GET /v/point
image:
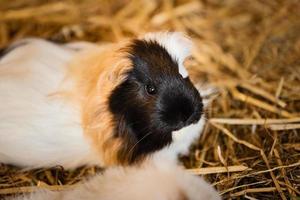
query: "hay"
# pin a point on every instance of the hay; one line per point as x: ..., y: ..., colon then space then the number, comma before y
x: 248, y: 49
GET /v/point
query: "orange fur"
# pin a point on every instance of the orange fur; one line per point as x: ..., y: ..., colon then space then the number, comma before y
x: 97, y: 74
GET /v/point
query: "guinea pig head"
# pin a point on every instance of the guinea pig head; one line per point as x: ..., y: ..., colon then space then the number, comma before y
x: 155, y: 98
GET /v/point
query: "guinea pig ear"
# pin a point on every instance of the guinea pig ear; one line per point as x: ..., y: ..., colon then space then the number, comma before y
x: 116, y: 65
x: 177, y: 44
x: 119, y: 69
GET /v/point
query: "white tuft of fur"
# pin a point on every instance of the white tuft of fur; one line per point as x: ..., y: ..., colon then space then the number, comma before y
x: 177, y: 44
x: 182, y: 141
x: 150, y: 181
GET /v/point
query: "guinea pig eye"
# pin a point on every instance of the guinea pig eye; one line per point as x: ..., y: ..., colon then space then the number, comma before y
x: 150, y: 89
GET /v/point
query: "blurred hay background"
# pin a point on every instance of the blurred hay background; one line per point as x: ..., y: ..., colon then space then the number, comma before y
x: 248, y: 49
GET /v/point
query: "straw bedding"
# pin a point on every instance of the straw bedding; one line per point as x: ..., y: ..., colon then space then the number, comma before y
x: 248, y: 49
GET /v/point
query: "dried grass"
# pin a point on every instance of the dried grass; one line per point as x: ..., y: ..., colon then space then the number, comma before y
x: 248, y: 49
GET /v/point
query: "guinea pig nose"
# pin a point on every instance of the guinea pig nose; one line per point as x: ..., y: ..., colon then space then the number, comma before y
x: 180, y: 111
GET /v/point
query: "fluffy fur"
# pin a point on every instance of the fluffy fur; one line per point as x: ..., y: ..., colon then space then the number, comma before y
x: 36, y: 128
x: 80, y: 104
x: 149, y: 181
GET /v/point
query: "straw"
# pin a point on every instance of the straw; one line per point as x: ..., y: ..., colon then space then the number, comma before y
x: 247, y: 49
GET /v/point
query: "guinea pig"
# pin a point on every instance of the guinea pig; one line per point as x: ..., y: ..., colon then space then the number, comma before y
x: 147, y: 182
x: 84, y: 104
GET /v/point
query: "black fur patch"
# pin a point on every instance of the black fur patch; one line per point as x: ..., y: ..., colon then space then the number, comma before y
x: 144, y: 120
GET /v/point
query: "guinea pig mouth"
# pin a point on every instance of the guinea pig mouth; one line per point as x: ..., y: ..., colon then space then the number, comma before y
x: 195, y: 117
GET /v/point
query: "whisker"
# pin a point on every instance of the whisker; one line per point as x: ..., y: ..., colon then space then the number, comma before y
x: 138, y: 142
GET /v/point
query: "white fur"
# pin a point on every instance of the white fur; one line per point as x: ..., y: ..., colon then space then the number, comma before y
x: 177, y: 45
x: 148, y: 182
x: 182, y: 140
x: 38, y: 130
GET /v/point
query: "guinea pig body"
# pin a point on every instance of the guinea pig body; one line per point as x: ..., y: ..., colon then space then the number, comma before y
x: 149, y: 181
x: 39, y: 128
x: 74, y: 105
